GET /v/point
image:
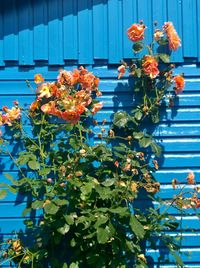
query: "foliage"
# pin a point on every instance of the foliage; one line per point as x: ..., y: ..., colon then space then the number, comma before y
x: 83, y: 204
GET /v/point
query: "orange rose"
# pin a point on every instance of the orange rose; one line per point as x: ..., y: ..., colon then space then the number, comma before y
x: 179, y: 83
x: 38, y: 79
x: 173, y: 38
x: 136, y: 32
x: 150, y: 66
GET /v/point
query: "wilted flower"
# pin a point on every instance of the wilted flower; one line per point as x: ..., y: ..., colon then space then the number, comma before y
x: 190, y: 178
x: 121, y: 70
x: 158, y: 34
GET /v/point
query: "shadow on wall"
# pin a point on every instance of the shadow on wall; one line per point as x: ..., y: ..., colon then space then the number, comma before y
x: 38, y: 12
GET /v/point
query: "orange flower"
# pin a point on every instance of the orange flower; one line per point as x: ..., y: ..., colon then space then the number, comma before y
x: 190, y: 178
x: 71, y: 116
x: 121, y: 70
x: 38, y: 79
x: 66, y: 77
x: 173, y: 38
x: 97, y: 107
x: 136, y: 32
x: 179, y: 83
x: 34, y: 105
x: 150, y: 66
x: 49, y: 108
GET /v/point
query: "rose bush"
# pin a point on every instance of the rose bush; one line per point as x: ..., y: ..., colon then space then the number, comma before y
x: 83, y: 201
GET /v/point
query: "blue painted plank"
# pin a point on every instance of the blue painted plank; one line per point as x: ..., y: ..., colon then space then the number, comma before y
x: 85, y: 42
x: 175, y: 16
x: 159, y: 12
x: 129, y: 17
x: 70, y: 30
x: 25, y: 14
x: 145, y: 14
x: 189, y: 28
x: 100, y: 29
x: 40, y: 30
x: 2, y: 63
x: 115, y: 31
x: 198, y: 29
x: 10, y: 27
x: 55, y: 32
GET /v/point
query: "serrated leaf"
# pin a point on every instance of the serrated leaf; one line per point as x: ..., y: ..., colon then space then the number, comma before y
x: 103, y: 235
x: 145, y: 142
x: 156, y: 149
x: 64, y: 229
x: 37, y: 204
x: 137, y: 47
x: 34, y: 165
x: 51, y: 208
x: 138, y: 135
x: 69, y: 219
x: 164, y: 57
x: 120, y: 119
x: 3, y: 194
x: 137, y: 227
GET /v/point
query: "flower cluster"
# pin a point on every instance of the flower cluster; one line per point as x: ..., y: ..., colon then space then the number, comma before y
x: 10, y: 116
x: 69, y: 97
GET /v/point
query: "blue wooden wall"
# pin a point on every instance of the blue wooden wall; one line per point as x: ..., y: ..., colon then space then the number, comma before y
x: 89, y: 31
x: 39, y: 36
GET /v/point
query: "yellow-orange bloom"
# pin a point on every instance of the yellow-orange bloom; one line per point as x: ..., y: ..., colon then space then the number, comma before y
x: 179, y: 83
x: 38, y: 79
x: 150, y: 66
x: 136, y: 32
x: 172, y: 36
x: 97, y: 107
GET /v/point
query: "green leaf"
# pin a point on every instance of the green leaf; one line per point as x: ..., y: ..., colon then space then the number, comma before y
x: 26, y: 211
x: 101, y: 220
x: 137, y: 47
x: 103, y: 235
x: 69, y: 219
x: 37, y: 204
x: 109, y: 182
x: 120, y: 210
x: 10, y: 178
x: 64, y: 229
x: 74, y: 265
x: 60, y: 202
x: 163, y: 41
x: 156, y: 149
x: 34, y: 165
x: 164, y: 57
x: 44, y: 171
x: 138, y: 135
x: 3, y: 194
x: 51, y: 208
x: 65, y: 265
x: 138, y: 115
x: 145, y: 142
x: 177, y: 258
x: 120, y: 119
x: 137, y: 227
x: 73, y: 143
